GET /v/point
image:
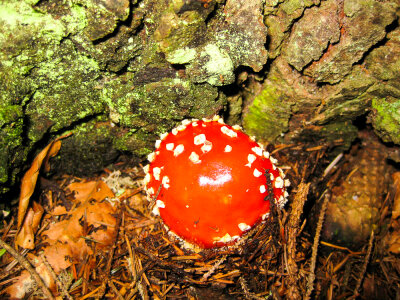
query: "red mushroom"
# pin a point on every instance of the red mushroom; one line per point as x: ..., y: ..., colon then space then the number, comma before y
x: 209, y: 182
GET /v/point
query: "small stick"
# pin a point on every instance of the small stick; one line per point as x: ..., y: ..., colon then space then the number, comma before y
x: 311, y: 276
x: 246, y: 291
x: 61, y: 286
x: 365, y: 265
x: 27, y: 265
x: 293, y: 229
x: 332, y: 164
x: 214, y: 267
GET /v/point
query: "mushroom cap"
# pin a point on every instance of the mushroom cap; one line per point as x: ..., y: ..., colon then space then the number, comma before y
x: 210, y: 182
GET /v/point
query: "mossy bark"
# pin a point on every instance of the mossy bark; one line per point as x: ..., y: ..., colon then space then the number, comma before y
x: 119, y: 73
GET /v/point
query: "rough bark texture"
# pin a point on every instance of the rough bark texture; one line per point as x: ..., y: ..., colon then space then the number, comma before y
x: 118, y: 73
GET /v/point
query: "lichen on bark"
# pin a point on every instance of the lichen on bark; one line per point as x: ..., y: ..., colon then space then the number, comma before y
x: 142, y: 66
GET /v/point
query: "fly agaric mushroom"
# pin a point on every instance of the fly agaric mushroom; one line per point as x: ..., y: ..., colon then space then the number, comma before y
x: 211, y: 183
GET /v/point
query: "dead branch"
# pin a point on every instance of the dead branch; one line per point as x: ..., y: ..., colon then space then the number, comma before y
x: 365, y: 265
x: 311, y: 276
x: 27, y: 265
x: 293, y: 231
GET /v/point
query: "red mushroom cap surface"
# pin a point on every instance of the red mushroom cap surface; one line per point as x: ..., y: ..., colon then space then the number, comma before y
x: 210, y: 182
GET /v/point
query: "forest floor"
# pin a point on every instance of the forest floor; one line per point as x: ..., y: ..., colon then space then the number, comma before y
x: 95, y: 238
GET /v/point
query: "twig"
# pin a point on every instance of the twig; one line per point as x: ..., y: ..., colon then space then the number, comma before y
x: 365, y: 265
x: 111, y: 254
x: 61, y: 286
x: 213, y: 268
x: 27, y: 265
x: 293, y: 229
x: 332, y: 164
x: 311, y: 276
x: 246, y: 291
x: 115, y: 290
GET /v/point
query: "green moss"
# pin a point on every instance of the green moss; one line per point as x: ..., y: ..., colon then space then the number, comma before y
x: 11, y: 129
x: 268, y: 115
x: 386, y: 119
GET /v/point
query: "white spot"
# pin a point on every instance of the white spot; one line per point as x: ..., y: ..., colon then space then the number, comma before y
x: 146, y: 168
x: 186, y: 122
x: 163, y: 135
x: 257, y: 150
x: 247, y: 190
x: 206, y: 147
x: 281, y: 201
x: 262, y: 189
x: 221, y: 121
x: 281, y: 173
x: 286, y: 194
x: 194, y: 124
x: 273, y: 160
x: 187, y: 206
x: 181, y: 127
x: 237, y: 127
x: 244, y: 226
x: 170, y: 146
x: 287, y: 182
x: 250, y: 158
x: 150, y: 191
x: 266, y: 154
x: 179, y: 149
x: 228, y: 132
x: 271, y: 176
x: 151, y: 157
x: 216, y: 118
x: 194, y: 158
x: 174, y: 131
x: 199, y: 139
x: 225, y: 239
x: 252, y: 138
x: 206, y: 120
x: 156, y: 173
x: 278, y: 182
x: 158, y: 143
x: 265, y: 216
x: 159, y: 204
x: 257, y: 173
x: 228, y: 148
x: 165, y: 182
x: 146, y: 179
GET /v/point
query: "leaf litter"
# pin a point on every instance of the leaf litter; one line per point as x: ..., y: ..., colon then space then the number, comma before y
x: 95, y: 238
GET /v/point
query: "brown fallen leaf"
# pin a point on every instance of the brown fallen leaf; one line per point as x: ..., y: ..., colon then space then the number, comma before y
x: 91, y: 190
x: 29, y: 180
x: 26, y: 236
x: 69, y: 235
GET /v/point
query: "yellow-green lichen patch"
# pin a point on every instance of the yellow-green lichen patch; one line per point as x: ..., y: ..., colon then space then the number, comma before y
x: 268, y: 116
x: 386, y: 119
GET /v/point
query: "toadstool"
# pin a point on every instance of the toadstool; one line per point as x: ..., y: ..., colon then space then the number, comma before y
x: 211, y: 183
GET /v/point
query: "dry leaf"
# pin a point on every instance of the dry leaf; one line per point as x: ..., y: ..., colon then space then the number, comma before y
x: 85, y: 191
x: 25, y: 284
x: 30, y: 177
x: 26, y: 236
x: 69, y: 235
